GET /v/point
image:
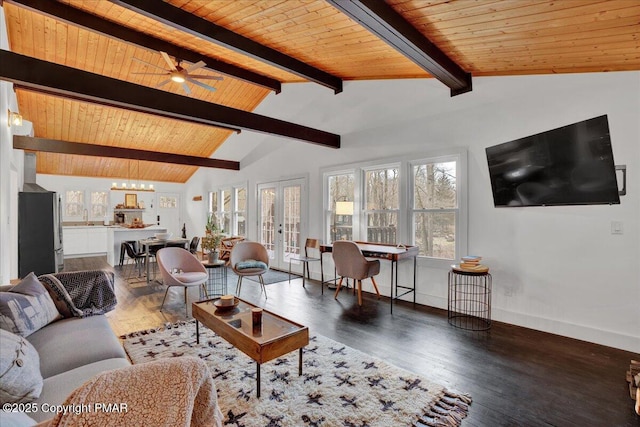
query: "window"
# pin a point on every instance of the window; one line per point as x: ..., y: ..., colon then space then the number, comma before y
x: 74, y: 203
x: 382, y: 204
x: 240, y: 212
x: 229, y: 206
x: 99, y: 204
x: 340, y: 206
x: 435, y: 209
x: 402, y: 201
x: 224, y: 214
x: 168, y: 202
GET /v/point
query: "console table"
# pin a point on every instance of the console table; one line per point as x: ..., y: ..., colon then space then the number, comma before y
x: 394, y: 254
x: 469, y: 301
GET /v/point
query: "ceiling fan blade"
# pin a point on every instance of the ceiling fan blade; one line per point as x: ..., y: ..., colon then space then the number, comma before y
x: 147, y: 63
x: 206, y: 86
x: 203, y: 77
x: 168, y: 60
x: 186, y: 88
x: 162, y: 83
x: 196, y: 66
x: 152, y: 74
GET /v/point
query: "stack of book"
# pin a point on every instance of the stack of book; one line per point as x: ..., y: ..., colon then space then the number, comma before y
x: 472, y: 263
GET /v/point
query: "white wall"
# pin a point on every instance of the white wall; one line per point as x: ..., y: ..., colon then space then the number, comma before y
x: 11, y: 162
x: 557, y: 269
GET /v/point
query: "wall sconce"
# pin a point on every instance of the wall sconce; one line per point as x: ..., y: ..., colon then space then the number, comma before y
x: 13, y: 119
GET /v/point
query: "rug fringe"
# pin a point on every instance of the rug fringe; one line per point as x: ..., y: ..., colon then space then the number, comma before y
x: 161, y: 328
x: 447, y: 411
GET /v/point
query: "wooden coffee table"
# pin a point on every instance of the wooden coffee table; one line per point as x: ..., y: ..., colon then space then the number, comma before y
x: 276, y: 337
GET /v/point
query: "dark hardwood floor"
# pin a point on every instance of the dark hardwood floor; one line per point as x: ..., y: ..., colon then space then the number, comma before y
x: 516, y: 376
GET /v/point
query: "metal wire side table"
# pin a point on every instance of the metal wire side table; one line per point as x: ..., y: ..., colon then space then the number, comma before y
x: 469, y: 302
x: 217, y: 284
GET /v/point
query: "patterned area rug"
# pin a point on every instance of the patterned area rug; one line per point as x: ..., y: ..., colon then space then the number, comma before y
x: 339, y: 386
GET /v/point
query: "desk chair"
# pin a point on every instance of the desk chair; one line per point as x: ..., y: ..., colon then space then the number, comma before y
x: 306, y: 259
x: 350, y: 263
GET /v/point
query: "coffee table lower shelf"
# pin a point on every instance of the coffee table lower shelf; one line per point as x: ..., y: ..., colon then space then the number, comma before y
x: 275, y: 337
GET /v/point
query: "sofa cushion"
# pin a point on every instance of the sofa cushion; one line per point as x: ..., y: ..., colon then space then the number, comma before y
x: 16, y: 419
x: 70, y: 343
x: 56, y: 388
x: 20, y: 379
x: 27, y: 307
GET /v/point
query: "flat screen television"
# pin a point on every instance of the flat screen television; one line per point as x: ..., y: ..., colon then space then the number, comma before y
x: 571, y: 165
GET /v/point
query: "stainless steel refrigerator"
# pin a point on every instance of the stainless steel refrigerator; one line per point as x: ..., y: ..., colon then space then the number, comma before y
x: 39, y: 233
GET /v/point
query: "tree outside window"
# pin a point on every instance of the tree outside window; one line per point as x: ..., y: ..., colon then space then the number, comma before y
x: 382, y: 204
x: 74, y: 203
x: 99, y: 204
x: 435, y: 209
x: 340, y: 189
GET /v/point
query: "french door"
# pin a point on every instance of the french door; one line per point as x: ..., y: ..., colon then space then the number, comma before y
x: 282, y: 219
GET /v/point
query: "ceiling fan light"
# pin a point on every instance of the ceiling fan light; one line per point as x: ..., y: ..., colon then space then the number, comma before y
x: 177, y: 78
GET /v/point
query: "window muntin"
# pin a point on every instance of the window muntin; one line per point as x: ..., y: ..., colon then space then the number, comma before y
x: 240, y: 212
x: 74, y: 203
x: 341, y: 189
x: 435, y: 208
x: 229, y: 207
x: 99, y: 204
x: 382, y: 204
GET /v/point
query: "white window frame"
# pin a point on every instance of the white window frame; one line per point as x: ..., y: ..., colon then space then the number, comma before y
x: 461, y: 217
x: 363, y: 211
x: 234, y: 214
x: 86, y: 204
x: 405, y: 213
x: 328, y: 212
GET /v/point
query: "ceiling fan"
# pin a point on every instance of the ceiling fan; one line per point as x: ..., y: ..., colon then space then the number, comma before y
x: 179, y: 74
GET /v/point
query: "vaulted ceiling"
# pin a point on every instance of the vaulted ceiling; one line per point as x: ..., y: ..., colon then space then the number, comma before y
x: 483, y: 37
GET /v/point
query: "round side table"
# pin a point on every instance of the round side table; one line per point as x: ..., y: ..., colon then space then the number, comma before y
x: 469, y: 305
x: 217, y: 283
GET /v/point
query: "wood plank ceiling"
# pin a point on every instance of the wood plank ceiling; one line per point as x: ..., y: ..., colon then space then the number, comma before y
x: 484, y: 37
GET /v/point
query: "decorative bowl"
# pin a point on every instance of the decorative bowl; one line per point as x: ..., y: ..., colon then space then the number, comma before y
x: 163, y: 236
x: 220, y: 307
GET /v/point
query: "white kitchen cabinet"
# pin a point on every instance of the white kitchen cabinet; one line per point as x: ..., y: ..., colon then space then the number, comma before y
x: 84, y: 241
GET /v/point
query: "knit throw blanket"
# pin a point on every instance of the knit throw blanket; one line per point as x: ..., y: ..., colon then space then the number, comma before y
x: 81, y: 293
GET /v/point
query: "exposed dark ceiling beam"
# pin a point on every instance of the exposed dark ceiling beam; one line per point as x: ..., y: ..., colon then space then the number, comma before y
x: 58, y: 79
x: 81, y: 149
x: 382, y: 20
x: 199, y: 27
x: 93, y: 23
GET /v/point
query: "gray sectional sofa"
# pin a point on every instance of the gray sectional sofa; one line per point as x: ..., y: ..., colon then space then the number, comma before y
x: 71, y: 350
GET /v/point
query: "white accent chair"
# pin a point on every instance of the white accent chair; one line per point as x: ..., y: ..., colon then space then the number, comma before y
x: 249, y: 259
x: 350, y: 263
x: 179, y: 267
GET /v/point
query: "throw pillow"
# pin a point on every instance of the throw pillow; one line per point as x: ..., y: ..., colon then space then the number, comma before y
x: 27, y: 307
x: 250, y: 263
x: 20, y: 378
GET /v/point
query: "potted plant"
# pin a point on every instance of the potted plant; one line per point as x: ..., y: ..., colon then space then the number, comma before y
x: 211, y: 242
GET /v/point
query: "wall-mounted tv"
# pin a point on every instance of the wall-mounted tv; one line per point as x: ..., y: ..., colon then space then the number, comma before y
x: 571, y: 165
